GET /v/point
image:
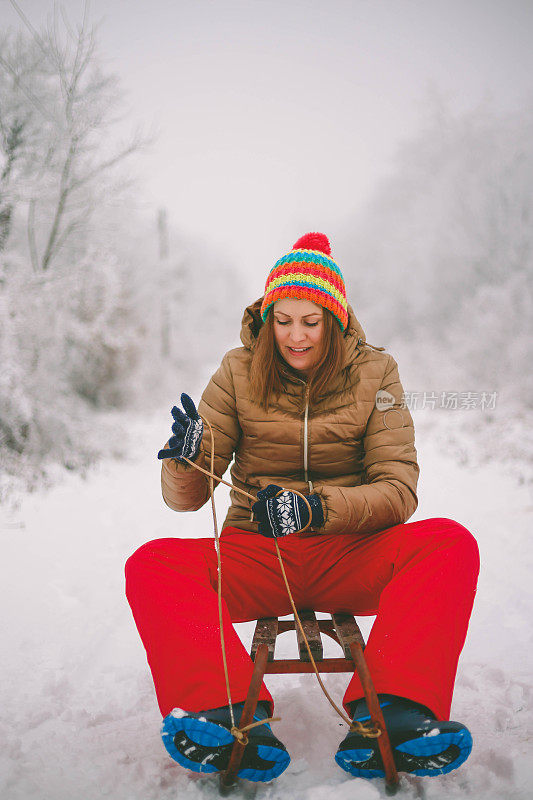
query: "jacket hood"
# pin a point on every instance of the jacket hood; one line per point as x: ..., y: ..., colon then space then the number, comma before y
x: 354, y: 335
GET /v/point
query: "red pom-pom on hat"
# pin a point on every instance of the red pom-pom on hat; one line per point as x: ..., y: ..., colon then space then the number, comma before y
x: 313, y: 241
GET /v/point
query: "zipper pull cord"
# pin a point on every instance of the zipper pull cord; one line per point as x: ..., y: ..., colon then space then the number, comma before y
x: 367, y: 344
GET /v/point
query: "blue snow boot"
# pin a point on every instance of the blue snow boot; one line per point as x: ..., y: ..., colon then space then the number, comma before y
x: 420, y: 743
x: 203, y: 742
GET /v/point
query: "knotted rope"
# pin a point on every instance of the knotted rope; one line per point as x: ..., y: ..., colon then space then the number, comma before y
x: 371, y: 732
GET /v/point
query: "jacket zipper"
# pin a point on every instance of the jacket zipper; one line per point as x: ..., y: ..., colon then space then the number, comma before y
x: 306, y: 442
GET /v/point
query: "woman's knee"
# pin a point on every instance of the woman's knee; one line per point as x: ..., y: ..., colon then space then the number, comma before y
x: 170, y: 550
x: 145, y: 551
x: 448, y: 532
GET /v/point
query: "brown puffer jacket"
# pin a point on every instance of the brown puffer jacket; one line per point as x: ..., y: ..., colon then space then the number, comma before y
x: 360, y: 459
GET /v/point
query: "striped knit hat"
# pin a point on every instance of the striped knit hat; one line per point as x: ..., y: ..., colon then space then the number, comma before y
x: 308, y: 273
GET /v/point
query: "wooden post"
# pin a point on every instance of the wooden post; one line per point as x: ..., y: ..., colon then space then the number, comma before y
x: 228, y: 778
x: 376, y: 715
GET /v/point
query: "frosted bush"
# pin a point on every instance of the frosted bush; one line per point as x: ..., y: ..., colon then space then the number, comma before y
x: 443, y: 257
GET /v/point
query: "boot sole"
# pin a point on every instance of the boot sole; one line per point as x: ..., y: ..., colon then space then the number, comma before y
x: 204, y: 746
x: 425, y: 756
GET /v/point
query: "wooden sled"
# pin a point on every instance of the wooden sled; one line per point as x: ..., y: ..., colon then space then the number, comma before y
x: 345, y: 631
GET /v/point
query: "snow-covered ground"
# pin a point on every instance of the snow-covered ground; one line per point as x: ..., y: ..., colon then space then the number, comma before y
x: 78, y: 713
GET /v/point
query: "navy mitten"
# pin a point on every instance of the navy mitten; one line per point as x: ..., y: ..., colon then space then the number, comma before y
x: 188, y: 429
x: 287, y: 513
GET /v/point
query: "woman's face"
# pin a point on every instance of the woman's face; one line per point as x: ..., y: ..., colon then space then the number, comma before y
x: 298, y: 330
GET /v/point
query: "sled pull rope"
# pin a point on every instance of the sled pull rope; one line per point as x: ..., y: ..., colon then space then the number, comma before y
x: 239, y: 734
x: 371, y: 732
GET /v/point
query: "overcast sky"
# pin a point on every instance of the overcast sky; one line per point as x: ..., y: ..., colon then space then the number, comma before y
x: 277, y: 117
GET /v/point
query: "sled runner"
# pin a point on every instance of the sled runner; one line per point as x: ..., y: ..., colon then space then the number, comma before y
x: 343, y: 629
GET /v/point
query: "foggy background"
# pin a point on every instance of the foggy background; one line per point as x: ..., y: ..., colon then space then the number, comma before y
x: 158, y: 158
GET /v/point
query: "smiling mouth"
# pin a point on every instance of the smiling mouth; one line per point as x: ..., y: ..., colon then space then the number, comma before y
x: 299, y: 350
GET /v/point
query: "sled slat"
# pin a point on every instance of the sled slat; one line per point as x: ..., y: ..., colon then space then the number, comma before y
x: 312, y: 632
x: 266, y: 631
x: 348, y: 631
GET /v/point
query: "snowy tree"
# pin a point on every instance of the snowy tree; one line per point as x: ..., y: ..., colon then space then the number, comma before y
x: 22, y: 116
x: 54, y: 85
x: 68, y: 331
x: 92, y: 316
x: 443, y: 257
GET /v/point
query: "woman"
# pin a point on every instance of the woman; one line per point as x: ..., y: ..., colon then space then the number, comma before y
x: 305, y: 404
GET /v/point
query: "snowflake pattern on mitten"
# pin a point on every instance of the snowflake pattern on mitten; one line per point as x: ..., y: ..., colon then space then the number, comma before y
x: 279, y: 512
x: 284, y: 514
x: 193, y: 437
x: 187, y: 430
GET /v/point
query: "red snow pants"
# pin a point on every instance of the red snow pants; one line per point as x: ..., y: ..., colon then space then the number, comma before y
x: 419, y: 579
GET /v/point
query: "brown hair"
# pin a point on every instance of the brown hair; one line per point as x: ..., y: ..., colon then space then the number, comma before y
x: 268, y: 365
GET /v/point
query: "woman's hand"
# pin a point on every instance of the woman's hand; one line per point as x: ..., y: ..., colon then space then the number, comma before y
x: 279, y: 516
x: 188, y: 429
